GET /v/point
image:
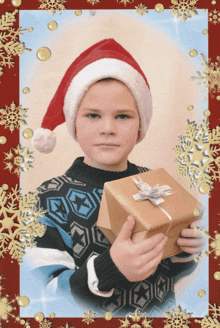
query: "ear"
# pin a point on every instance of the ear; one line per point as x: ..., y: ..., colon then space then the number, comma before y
x: 75, y: 134
x: 138, y: 136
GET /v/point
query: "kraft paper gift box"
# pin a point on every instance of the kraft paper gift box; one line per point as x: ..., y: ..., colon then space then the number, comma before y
x: 170, y: 217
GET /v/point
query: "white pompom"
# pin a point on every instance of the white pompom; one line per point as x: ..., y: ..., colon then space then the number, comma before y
x: 44, y: 140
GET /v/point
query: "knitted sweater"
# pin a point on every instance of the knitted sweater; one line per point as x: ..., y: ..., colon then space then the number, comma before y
x: 71, y: 238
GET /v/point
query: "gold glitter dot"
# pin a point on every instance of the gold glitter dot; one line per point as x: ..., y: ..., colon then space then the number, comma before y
x: 28, y: 133
x: 12, y: 261
x: 204, y: 9
x: 29, y: 230
x: 52, y: 315
x: 190, y: 107
x: 196, y: 212
x: 217, y: 275
x: 25, y: 90
x: 207, y: 112
x: 2, y: 1
x: 204, y: 188
x: 201, y: 293
x: 205, y: 32
x: 52, y: 25
x: 39, y: 316
x: 213, y: 2
x: 43, y: 53
x: 22, y: 322
x: 30, y: 29
x: 78, y: 12
x: 23, y: 301
x: 108, y: 316
x: 16, y: 3
x: 5, y: 186
x: 3, y: 140
x: 193, y: 53
x: 159, y: 7
x: 218, y: 97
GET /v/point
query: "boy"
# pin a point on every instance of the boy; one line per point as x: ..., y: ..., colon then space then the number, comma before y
x: 106, y: 101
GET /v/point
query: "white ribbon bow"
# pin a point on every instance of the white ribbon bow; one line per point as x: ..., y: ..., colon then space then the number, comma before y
x: 154, y: 194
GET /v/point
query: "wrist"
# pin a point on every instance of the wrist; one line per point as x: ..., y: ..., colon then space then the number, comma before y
x: 107, y: 272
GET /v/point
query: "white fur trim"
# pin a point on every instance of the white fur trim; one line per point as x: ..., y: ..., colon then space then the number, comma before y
x: 44, y: 140
x: 103, y: 68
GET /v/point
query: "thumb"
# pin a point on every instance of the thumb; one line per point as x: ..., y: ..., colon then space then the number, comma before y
x: 127, y: 229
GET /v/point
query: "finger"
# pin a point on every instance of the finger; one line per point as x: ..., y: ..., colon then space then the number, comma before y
x: 152, y: 254
x: 150, y: 266
x: 190, y: 233
x: 195, y: 223
x: 191, y: 250
x: 190, y: 242
x: 150, y: 243
x: 127, y: 228
x: 149, y: 273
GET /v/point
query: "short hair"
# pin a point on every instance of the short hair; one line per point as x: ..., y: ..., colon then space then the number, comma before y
x: 108, y: 79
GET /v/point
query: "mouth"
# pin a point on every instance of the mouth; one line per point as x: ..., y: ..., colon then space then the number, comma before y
x: 108, y: 145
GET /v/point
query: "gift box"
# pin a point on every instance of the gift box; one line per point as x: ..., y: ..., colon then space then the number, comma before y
x: 158, y: 203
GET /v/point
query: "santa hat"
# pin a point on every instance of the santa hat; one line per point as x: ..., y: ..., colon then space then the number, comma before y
x: 104, y: 59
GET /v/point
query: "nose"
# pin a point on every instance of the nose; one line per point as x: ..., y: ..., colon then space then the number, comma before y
x: 108, y: 126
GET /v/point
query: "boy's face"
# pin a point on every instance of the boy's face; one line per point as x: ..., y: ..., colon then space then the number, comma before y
x: 107, y: 124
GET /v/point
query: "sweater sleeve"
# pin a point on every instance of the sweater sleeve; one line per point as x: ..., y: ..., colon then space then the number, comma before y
x: 54, y: 267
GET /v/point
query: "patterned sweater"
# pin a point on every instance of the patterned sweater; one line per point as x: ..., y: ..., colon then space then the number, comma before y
x: 72, y: 202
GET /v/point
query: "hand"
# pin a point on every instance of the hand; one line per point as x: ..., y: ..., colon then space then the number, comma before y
x: 136, y: 261
x: 193, y: 241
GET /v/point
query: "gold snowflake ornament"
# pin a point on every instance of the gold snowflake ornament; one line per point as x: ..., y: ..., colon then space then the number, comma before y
x: 136, y: 320
x: 89, y: 317
x: 45, y: 324
x: 7, y: 307
x: 52, y: 5
x: 12, y: 116
x: 215, y: 244
x: 18, y: 160
x: 184, y: 8
x: 67, y: 326
x: 9, y: 40
x: 211, y: 321
x: 141, y: 9
x: 125, y: 2
x: 18, y: 222
x: 210, y: 76
x: 93, y: 2
x: 198, y: 153
x: 214, y: 16
x: 193, y: 153
x: 177, y: 318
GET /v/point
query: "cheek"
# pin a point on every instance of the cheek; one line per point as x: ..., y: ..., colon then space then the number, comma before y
x: 84, y: 130
x: 130, y: 131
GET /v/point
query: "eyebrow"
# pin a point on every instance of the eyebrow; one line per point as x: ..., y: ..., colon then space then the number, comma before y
x: 117, y: 111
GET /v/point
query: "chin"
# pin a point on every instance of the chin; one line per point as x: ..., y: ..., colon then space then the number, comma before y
x: 113, y: 164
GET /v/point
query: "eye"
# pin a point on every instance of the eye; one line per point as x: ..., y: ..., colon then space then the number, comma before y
x: 123, y: 116
x: 93, y: 115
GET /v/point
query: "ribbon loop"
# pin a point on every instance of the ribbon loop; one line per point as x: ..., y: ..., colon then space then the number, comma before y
x: 154, y: 194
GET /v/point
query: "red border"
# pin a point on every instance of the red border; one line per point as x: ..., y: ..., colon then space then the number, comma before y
x: 9, y: 89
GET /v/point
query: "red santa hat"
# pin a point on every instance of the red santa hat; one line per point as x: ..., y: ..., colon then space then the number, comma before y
x: 104, y: 59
